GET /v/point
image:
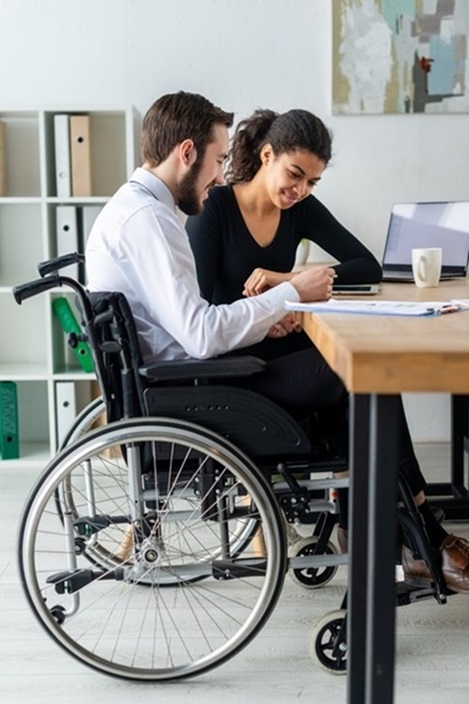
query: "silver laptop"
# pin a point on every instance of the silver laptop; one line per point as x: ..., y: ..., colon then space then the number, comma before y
x: 415, y: 225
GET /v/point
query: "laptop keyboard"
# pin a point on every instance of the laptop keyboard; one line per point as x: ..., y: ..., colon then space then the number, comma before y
x: 407, y: 275
x: 395, y: 273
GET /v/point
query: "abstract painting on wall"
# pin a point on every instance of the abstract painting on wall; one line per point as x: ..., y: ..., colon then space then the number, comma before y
x: 400, y: 56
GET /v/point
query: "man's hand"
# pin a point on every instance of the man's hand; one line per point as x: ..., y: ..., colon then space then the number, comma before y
x: 262, y: 279
x: 314, y: 284
x: 284, y: 327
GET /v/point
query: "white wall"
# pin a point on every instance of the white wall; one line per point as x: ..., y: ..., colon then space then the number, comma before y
x: 242, y: 54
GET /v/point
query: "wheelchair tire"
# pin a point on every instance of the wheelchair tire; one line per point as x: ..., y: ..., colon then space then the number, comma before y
x: 179, y: 627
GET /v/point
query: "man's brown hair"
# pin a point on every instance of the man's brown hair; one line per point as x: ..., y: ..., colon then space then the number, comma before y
x: 176, y: 117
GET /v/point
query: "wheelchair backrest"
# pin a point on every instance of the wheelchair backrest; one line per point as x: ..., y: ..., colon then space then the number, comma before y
x: 116, y: 352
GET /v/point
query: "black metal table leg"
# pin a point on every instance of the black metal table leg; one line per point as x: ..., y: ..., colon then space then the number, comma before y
x: 358, y: 548
x: 384, y: 438
x: 371, y: 605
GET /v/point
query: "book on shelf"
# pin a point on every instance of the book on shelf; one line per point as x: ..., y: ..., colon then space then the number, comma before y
x: 63, y: 174
x: 69, y: 324
x: 9, y: 437
x: 80, y: 155
x: 68, y: 239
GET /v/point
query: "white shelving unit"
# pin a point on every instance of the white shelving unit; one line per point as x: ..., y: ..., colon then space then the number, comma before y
x: 33, y: 350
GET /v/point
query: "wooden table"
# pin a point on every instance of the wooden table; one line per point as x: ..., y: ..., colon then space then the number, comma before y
x: 377, y: 358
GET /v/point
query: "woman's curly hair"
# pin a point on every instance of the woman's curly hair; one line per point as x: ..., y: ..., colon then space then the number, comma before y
x: 295, y: 129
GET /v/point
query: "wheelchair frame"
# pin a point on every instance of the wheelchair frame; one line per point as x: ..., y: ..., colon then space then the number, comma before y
x: 154, y: 547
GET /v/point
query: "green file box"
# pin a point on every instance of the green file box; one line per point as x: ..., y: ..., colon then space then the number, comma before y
x: 69, y: 323
x: 9, y: 438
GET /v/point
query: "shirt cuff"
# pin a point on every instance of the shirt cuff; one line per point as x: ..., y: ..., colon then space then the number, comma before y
x: 284, y: 292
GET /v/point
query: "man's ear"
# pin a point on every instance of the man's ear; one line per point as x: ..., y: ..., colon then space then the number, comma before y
x: 187, y: 152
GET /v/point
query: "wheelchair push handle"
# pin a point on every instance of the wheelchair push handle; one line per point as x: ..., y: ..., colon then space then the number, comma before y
x: 33, y: 288
x: 52, y: 265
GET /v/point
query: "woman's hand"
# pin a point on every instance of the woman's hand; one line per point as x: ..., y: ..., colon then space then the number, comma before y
x: 262, y: 279
x: 284, y: 327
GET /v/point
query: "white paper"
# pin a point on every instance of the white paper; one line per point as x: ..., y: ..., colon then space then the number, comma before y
x: 376, y: 307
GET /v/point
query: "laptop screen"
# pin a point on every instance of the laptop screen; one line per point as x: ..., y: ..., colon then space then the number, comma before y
x: 415, y: 225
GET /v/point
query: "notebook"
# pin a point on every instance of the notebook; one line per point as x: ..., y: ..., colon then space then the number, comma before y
x: 416, y: 225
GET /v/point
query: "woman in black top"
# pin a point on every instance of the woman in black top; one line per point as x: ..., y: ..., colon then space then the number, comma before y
x: 247, y: 235
x: 245, y: 240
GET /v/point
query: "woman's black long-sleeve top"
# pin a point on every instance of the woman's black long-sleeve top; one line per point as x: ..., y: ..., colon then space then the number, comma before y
x: 226, y: 253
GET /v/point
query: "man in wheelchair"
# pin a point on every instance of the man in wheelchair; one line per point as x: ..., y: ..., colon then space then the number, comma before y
x: 139, y: 247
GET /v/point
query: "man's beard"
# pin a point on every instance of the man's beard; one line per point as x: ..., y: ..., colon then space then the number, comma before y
x: 187, y: 197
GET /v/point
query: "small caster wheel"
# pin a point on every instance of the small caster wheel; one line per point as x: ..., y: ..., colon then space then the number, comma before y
x: 80, y: 546
x: 58, y: 613
x: 327, y: 645
x: 312, y: 577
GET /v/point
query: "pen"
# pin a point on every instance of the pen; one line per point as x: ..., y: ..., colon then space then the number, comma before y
x: 448, y: 309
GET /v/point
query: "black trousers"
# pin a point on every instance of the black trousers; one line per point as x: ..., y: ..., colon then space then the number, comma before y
x: 303, y: 383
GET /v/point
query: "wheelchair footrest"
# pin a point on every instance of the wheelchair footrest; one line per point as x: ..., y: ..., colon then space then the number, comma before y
x: 69, y: 582
x: 233, y: 569
x: 87, y: 525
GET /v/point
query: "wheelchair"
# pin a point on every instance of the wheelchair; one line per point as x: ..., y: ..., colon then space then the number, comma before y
x: 154, y: 547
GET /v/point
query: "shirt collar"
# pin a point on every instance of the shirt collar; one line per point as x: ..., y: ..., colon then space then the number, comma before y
x: 155, y: 185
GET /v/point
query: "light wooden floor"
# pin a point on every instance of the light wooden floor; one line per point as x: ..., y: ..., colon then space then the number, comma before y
x: 432, y: 641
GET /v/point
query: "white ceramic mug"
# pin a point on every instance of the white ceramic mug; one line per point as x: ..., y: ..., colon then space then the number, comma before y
x: 426, y: 266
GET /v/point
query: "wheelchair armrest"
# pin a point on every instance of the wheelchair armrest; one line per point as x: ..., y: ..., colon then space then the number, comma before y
x: 221, y: 367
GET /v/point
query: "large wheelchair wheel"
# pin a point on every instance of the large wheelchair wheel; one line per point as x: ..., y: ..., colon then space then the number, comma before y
x: 175, y: 487
x: 243, y: 528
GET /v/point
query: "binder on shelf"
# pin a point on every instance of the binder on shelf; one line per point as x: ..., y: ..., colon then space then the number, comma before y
x: 66, y: 408
x: 70, y: 398
x: 69, y: 324
x: 3, y: 172
x: 80, y: 154
x: 67, y: 235
x: 89, y: 213
x: 63, y: 174
x: 9, y: 436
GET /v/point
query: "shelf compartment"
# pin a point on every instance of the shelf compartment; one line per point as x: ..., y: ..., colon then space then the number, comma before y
x: 24, y: 337
x: 33, y: 418
x: 22, y: 163
x: 20, y: 242
x: 108, y: 151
